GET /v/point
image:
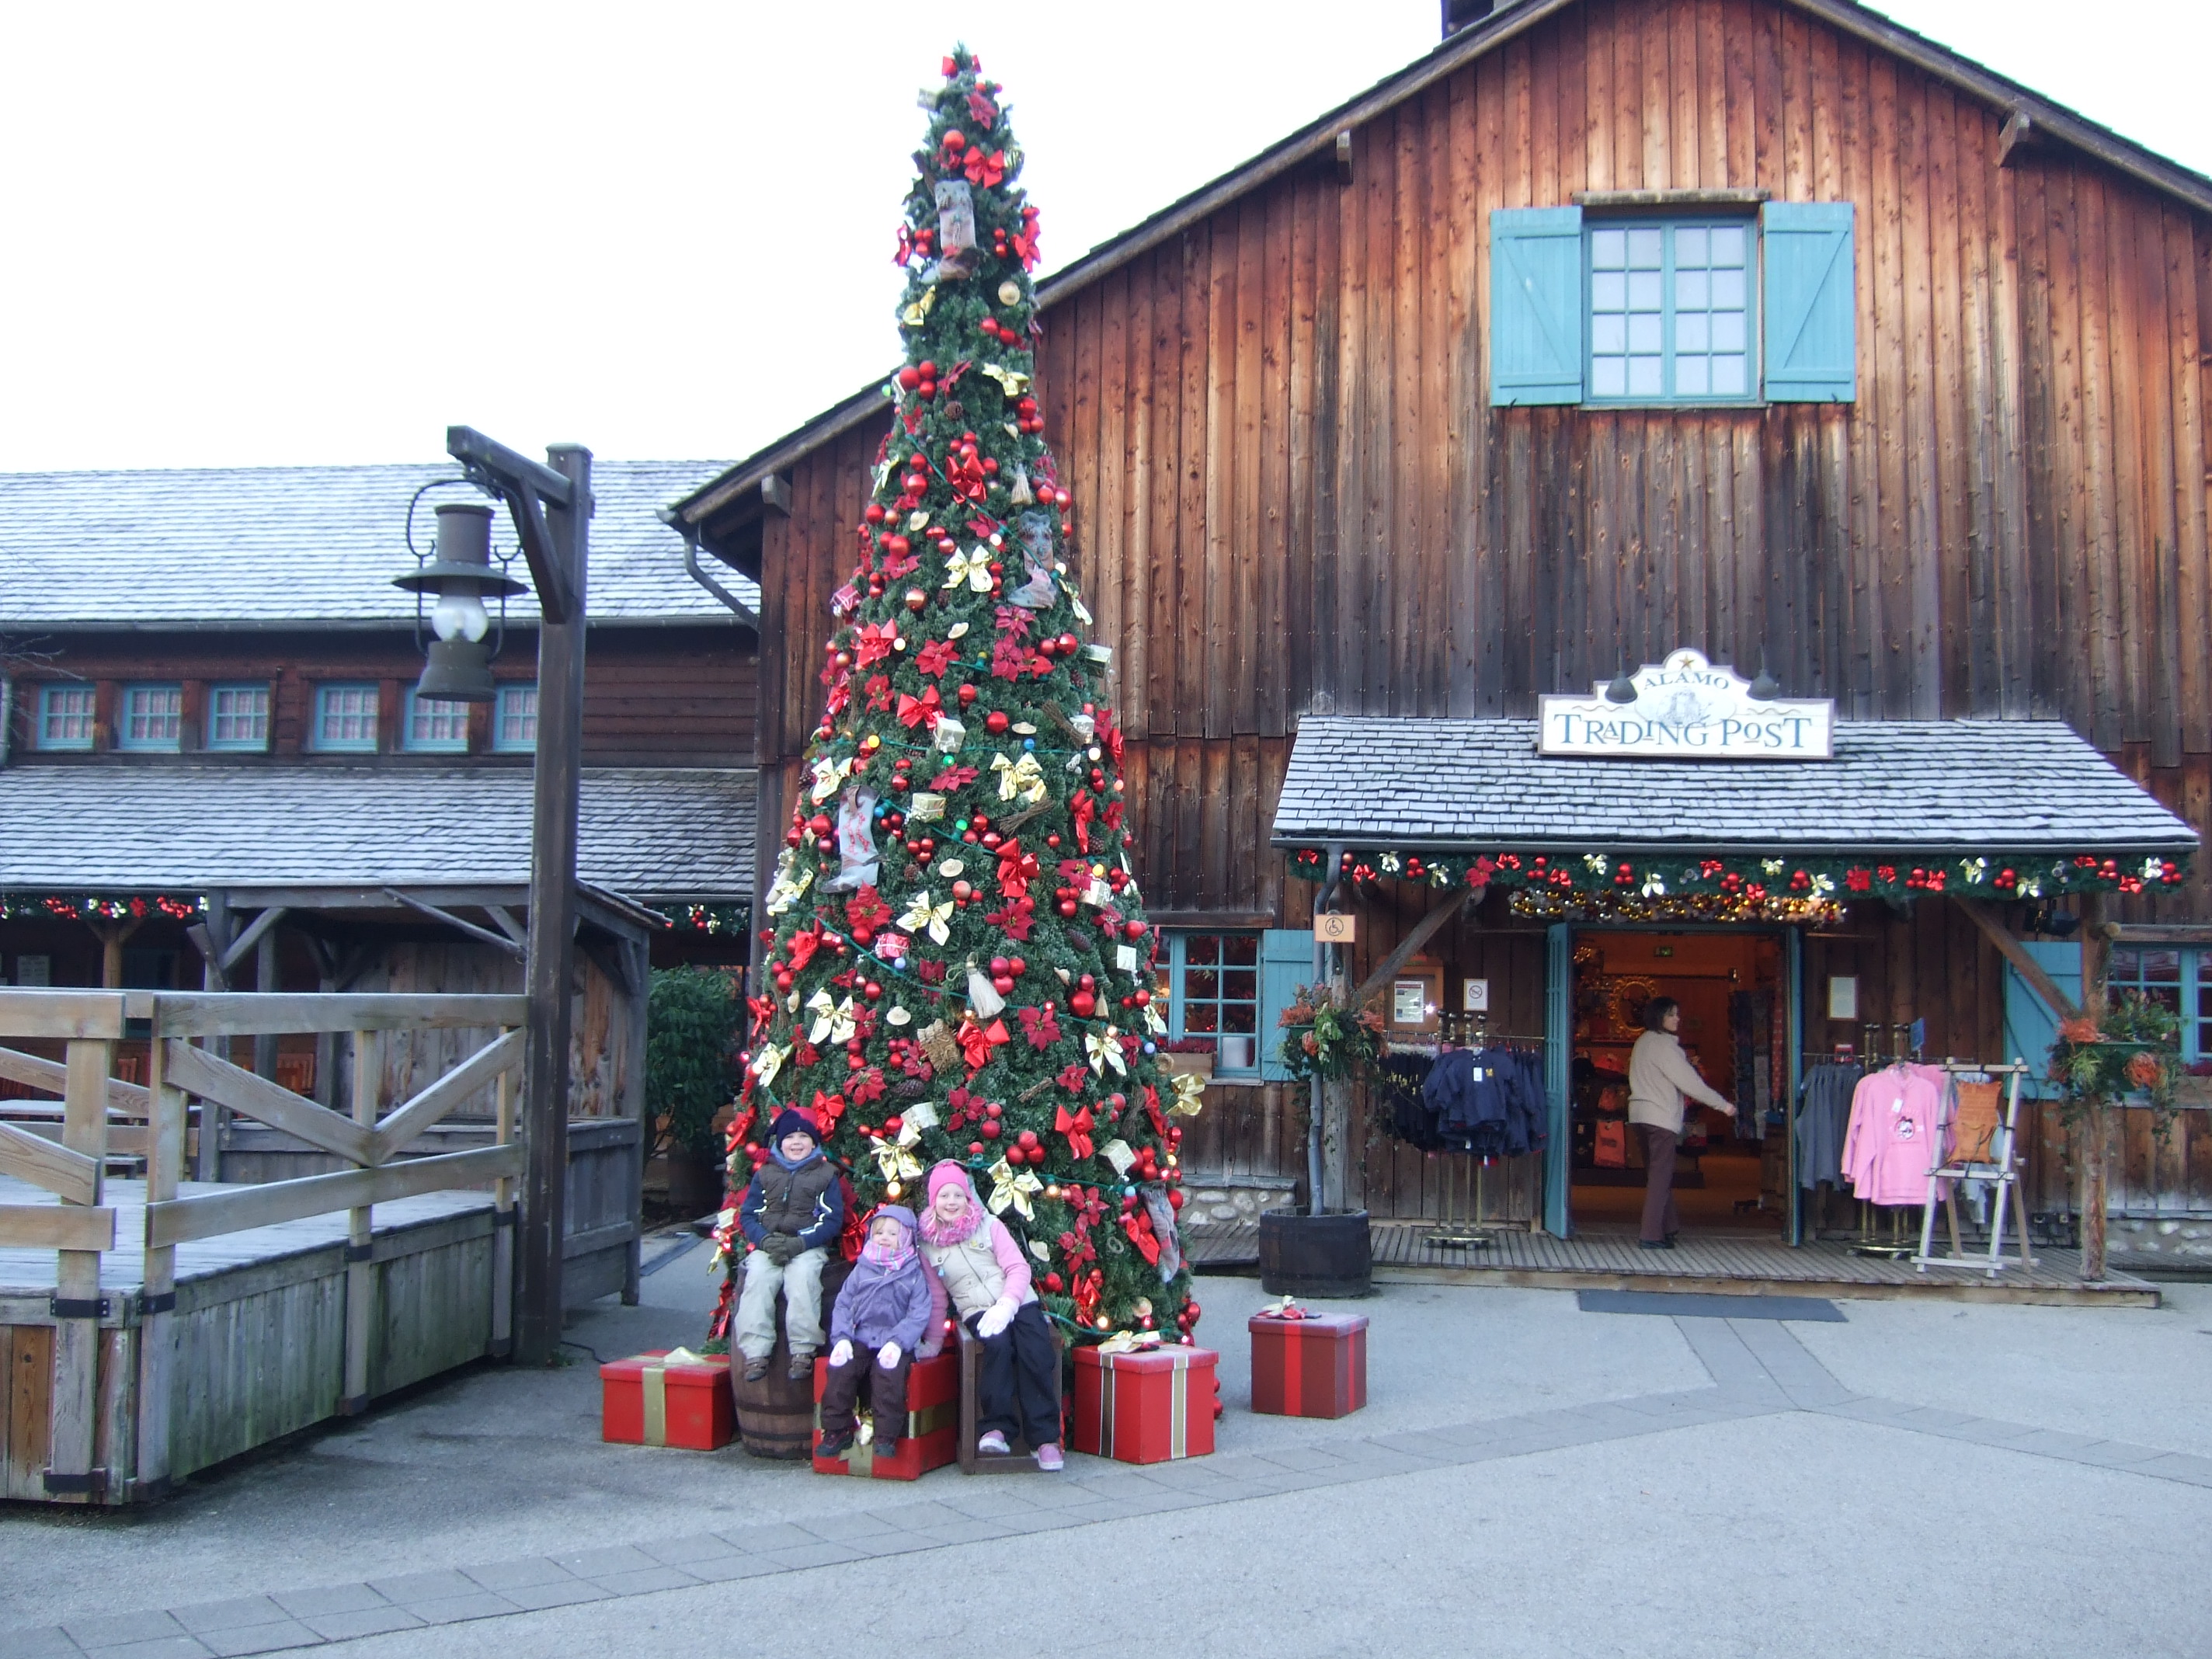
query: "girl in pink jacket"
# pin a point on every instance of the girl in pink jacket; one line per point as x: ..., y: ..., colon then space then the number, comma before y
x: 976, y: 1263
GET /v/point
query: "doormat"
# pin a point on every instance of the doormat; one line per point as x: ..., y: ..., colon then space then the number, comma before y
x: 1690, y: 1305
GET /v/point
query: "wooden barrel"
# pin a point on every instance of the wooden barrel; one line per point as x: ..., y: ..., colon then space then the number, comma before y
x: 775, y: 1415
x: 1320, y: 1255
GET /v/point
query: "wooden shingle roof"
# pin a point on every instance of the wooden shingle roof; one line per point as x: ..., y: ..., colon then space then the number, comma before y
x: 1910, y: 788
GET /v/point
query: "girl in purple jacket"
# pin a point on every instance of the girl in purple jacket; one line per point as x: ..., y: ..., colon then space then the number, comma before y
x: 882, y: 1315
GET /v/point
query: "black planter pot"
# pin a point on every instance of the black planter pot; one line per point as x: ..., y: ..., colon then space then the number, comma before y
x: 1318, y: 1255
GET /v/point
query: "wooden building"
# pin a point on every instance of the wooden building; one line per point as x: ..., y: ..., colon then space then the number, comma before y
x: 215, y: 772
x: 1765, y: 328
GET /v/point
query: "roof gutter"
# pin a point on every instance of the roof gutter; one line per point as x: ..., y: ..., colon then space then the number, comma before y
x: 690, y: 532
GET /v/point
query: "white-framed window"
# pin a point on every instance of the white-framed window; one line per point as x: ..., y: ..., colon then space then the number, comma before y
x: 345, y: 718
x: 436, y: 727
x: 1607, y: 306
x: 1671, y: 312
x: 153, y: 717
x: 1212, y: 982
x: 238, y: 718
x: 66, y: 714
x: 515, y: 720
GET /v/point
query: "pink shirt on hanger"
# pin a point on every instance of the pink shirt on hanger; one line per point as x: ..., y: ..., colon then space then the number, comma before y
x: 1895, y: 1134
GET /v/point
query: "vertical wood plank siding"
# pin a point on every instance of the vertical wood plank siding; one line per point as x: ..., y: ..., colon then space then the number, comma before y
x: 1293, y: 497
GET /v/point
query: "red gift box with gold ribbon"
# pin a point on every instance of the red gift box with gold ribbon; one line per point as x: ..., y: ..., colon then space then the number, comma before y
x: 1311, y: 1366
x: 1144, y: 1405
x: 931, y: 1439
x: 668, y: 1399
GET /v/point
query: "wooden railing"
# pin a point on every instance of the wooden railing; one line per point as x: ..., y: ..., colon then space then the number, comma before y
x: 82, y: 1226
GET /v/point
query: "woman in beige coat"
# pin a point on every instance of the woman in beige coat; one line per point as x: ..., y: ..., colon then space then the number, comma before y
x: 1659, y: 1076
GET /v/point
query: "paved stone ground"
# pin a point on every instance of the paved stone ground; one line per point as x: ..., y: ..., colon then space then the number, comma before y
x: 1919, y: 1479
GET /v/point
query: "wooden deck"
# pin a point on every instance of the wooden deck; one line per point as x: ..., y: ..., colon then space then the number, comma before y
x: 1724, y: 1264
x: 30, y: 1273
x: 256, y: 1332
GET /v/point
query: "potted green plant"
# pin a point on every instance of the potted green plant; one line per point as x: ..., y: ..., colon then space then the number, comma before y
x: 2132, y: 1056
x: 1326, y: 1044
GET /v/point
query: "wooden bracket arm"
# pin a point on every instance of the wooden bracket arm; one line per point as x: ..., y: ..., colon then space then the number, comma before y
x: 2017, y: 954
x: 1424, y: 930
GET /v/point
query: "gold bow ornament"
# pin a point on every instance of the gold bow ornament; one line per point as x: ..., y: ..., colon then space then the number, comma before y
x: 1024, y: 778
x: 832, y: 1021
x: 971, y: 565
x: 1009, y: 1186
x: 1104, y: 1050
x: 829, y: 777
x: 768, y: 1060
x: 923, y: 915
x: 1190, y: 1095
x: 895, y: 1159
x: 1011, y: 381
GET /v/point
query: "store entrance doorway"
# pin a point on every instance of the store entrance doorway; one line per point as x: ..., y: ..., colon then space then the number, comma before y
x: 1731, y: 983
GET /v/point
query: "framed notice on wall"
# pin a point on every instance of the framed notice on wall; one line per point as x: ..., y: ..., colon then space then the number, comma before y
x: 1842, y: 996
x: 1417, y: 994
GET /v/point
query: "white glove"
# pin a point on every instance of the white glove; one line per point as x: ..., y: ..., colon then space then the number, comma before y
x: 996, y: 1318
x: 888, y: 1355
x: 842, y: 1352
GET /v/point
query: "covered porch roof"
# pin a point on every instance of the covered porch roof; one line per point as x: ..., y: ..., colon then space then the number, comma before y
x: 348, y: 835
x: 1915, y: 789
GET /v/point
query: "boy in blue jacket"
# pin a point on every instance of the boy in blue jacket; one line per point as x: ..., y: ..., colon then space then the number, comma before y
x: 791, y: 1213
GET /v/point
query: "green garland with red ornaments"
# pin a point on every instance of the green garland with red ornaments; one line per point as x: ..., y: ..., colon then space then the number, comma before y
x: 1600, y: 877
x: 957, y: 963
x: 98, y: 907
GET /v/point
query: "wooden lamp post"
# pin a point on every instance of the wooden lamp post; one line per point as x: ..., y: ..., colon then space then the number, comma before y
x: 551, y: 506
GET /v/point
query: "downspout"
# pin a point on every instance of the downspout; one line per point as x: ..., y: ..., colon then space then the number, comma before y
x: 7, y: 717
x: 738, y: 607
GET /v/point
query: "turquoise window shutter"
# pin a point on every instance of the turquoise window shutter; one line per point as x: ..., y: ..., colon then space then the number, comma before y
x: 1811, y: 303
x: 1536, y: 306
x: 2030, y: 1027
x: 1286, y: 959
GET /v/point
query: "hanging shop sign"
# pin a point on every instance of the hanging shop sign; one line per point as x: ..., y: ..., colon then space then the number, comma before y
x: 1687, y: 709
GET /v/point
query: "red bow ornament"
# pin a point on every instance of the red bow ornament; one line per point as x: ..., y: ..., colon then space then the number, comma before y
x: 986, y: 168
x: 920, y: 711
x: 1077, y: 1127
x: 1017, y: 870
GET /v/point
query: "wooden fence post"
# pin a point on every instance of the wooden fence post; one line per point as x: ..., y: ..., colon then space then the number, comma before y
x: 502, y: 1231
x: 157, y: 1299
x: 2096, y: 962
x: 77, y: 1304
x: 361, y: 1284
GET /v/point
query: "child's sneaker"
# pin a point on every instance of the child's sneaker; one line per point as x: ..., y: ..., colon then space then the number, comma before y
x: 756, y: 1369
x: 1049, y: 1459
x: 992, y: 1444
x: 802, y: 1367
x: 833, y: 1445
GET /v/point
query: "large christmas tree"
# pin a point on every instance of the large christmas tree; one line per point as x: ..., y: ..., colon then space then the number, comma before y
x: 959, y: 965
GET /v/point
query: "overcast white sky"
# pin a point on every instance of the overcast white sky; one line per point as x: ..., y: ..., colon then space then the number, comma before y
x: 260, y: 234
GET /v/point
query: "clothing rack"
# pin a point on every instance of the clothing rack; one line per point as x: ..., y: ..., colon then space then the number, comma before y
x: 2004, y: 1169
x: 1453, y: 1231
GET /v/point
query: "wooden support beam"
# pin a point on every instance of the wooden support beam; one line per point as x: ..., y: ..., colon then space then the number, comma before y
x: 65, y: 1227
x: 2019, y: 956
x: 199, y: 1073
x: 69, y: 1176
x: 62, y: 1016
x: 165, y: 1172
x: 234, y: 952
x: 130, y: 1100
x: 1424, y: 930
x: 500, y: 941
x: 361, y: 1233
x: 507, y: 923
x: 2096, y: 1198
x: 200, y: 1013
x: 71, y: 1429
x: 235, y: 1209
x: 441, y: 1097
